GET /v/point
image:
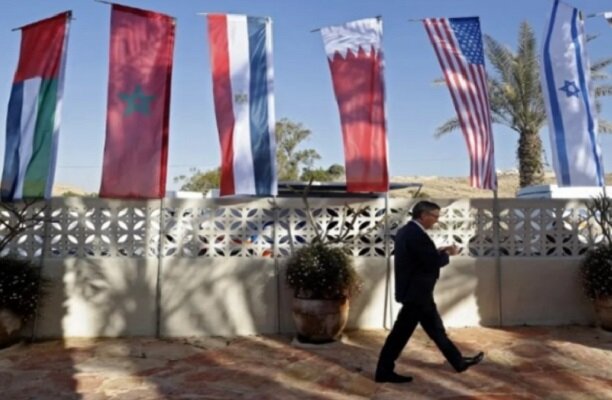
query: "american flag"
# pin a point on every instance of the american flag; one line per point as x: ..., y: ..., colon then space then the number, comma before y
x: 458, y: 45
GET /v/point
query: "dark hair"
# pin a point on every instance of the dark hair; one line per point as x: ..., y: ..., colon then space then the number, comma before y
x: 423, y: 207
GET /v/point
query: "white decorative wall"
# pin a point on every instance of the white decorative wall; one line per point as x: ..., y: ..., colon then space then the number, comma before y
x: 181, y: 267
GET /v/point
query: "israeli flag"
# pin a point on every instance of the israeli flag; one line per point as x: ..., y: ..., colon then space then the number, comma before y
x: 566, y: 83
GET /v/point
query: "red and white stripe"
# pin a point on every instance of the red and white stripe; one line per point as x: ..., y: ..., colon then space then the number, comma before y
x: 467, y: 83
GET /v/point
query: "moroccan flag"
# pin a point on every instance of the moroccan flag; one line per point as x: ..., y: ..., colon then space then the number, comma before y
x: 33, y: 118
x: 354, y: 52
x: 570, y: 106
x: 458, y: 45
x: 138, y: 113
x: 241, y: 58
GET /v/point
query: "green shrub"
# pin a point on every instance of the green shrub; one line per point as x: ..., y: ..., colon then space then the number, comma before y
x: 21, y: 286
x: 596, y: 271
x: 320, y: 271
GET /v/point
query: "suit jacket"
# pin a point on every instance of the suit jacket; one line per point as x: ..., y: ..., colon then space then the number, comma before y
x: 417, y: 264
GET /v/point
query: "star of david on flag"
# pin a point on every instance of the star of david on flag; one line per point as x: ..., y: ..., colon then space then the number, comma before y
x: 570, y: 107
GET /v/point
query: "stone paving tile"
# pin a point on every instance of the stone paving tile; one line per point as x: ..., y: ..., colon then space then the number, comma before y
x: 526, y: 363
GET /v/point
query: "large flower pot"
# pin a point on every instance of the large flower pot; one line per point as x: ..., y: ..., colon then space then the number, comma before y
x: 319, y: 321
x: 10, y: 327
x: 603, y: 308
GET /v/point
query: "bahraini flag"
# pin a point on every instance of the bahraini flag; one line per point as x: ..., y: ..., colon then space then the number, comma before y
x: 33, y: 118
x: 242, y: 72
x: 138, y: 110
x: 566, y: 86
x: 355, y: 57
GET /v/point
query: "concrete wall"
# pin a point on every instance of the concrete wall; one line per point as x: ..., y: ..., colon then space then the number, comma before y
x: 233, y: 296
x: 220, y: 263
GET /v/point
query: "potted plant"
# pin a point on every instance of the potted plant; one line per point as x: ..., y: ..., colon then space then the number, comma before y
x: 21, y: 284
x: 323, y: 279
x: 596, y: 266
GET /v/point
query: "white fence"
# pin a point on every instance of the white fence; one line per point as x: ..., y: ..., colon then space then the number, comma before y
x: 215, y: 266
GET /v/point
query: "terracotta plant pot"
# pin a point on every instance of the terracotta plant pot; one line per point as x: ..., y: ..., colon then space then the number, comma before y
x: 603, y: 308
x: 10, y: 327
x: 319, y: 321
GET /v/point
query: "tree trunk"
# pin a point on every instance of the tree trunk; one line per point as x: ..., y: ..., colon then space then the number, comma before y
x: 529, y: 155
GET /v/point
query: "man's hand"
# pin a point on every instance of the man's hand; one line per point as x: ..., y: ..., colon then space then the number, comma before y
x: 451, y: 250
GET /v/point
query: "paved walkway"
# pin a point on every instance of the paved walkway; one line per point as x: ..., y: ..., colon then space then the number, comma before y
x: 523, y: 363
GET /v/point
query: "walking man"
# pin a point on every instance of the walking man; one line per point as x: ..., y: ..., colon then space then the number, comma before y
x: 417, y: 268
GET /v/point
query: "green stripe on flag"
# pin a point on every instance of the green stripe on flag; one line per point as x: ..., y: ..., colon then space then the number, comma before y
x: 38, y: 169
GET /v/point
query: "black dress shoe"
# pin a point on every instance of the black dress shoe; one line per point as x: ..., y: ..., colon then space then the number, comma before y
x: 469, y: 361
x: 393, y: 378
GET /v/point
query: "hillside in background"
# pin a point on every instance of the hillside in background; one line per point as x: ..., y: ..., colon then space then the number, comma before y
x: 437, y: 187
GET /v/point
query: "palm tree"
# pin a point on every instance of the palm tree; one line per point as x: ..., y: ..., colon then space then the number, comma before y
x: 516, y: 99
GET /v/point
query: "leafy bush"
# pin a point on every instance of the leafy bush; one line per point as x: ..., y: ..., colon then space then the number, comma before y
x: 21, y: 286
x: 319, y: 271
x: 596, y: 270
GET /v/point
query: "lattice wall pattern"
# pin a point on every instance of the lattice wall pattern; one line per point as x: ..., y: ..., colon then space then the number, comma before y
x: 266, y: 228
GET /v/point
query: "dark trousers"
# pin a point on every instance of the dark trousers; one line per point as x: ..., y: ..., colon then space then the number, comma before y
x: 409, y: 316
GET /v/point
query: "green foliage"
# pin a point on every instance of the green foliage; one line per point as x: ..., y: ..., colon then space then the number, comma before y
x: 596, y: 271
x: 319, y: 271
x: 332, y: 173
x: 516, y: 99
x: 596, y: 266
x: 21, y: 287
x: 290, y: 160
x: 200, y: 181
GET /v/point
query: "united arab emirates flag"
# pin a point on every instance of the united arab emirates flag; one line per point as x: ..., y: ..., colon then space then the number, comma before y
x: 33, y: 118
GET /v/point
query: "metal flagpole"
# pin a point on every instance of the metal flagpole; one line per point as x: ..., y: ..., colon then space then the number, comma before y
x: 47, y: 214
x: 276, y: 264
x: 498, y: 269
x: 378, y: 17
x: 26, y: 25
x: 388, y: 305
x: 160, y: 248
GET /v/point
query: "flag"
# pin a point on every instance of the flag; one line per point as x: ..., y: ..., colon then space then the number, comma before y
x: 572, y: 120
x: 458, y: 46
x: 138, y: 104
x: 33, y: 117
x: 355, y: 57
x: 608, y: 16
x: 242, y: 71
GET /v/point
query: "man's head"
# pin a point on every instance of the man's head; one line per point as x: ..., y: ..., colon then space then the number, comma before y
x: 426, y: 212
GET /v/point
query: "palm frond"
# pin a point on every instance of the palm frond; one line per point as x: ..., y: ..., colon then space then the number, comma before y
x: 448, y: 127
x: 604, y: 126
x: 499, y: 57
x: 603, y: 90
x: 599, y: 65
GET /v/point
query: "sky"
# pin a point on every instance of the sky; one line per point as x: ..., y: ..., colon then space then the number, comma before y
x: 302, y: 81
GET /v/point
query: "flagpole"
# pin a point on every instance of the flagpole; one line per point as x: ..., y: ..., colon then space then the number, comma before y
x: 388, y: 304
x: 160, y: 260
x: 70, y: 17
x: 498, y: 267
x: 205, y: 14
x: 423, y: 19
x: 378, y: 17
x: 277, y: 271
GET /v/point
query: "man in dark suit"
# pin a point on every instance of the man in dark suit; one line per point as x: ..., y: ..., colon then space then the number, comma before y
x: 417, y: 268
